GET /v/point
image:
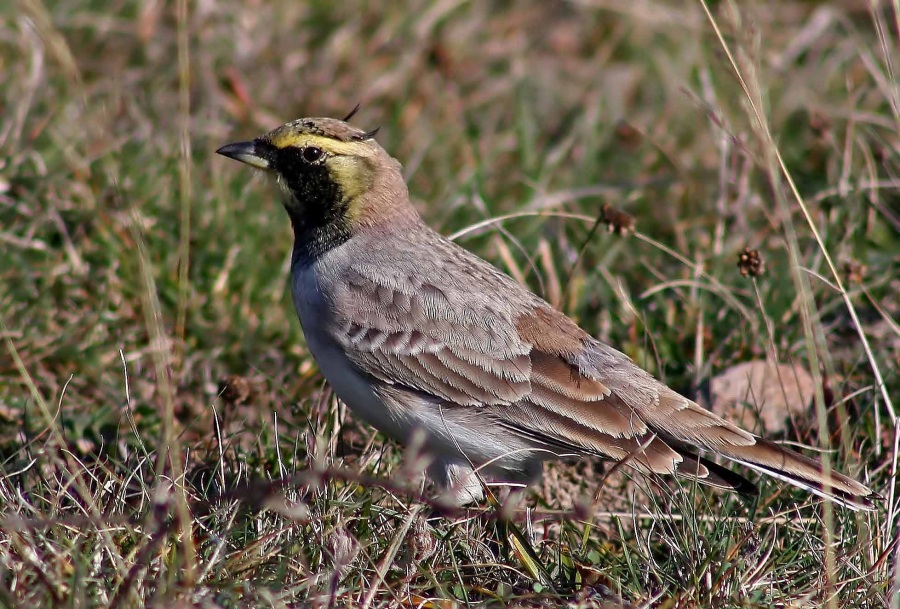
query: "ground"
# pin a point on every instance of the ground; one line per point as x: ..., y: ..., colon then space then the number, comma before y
x: 165, y: 437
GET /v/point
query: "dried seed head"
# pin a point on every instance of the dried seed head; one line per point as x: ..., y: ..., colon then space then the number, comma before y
x: 819, y: 124
x: 616, y: 220
x: 854, y: 271
x: 751, y: 263
x: 235, y: 389
x: 628, y: 135
x: 341, y: 547
x: 422, y: 543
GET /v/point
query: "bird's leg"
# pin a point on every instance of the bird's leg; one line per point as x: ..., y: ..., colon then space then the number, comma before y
x: 459, y: 484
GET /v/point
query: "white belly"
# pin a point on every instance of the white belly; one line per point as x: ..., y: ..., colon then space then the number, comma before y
x: 447, y: 435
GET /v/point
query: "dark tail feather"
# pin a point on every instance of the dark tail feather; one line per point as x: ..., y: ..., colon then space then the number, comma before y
x: 716, y: 476
x: 801, y: 471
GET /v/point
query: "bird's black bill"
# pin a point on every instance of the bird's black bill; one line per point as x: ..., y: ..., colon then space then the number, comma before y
x: 245, y: 152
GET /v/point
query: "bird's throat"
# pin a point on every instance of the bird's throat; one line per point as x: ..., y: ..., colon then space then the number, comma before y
x: 315, y: 234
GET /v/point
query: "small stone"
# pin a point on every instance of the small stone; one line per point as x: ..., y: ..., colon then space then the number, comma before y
x: 762, y: 393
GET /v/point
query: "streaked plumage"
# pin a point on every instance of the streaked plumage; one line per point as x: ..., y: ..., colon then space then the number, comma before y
x: 414, y: 332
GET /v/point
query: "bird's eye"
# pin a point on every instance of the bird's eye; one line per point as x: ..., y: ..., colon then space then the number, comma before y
x: 311, y: 154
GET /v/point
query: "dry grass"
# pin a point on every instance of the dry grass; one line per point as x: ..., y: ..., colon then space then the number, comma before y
x: 165, y: 439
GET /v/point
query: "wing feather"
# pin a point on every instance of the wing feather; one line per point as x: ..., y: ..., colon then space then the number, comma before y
x: 481, y: 340
x: 462, y: 349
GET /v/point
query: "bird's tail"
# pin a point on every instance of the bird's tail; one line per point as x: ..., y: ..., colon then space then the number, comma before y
x: 784, y: 464
x: 685, y: 425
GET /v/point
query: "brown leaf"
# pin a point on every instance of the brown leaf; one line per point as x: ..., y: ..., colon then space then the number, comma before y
x: 762, y: 395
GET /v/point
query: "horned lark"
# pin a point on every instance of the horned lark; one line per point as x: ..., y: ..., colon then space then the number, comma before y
x: 413, y: 332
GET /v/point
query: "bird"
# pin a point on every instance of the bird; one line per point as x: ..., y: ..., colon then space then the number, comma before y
x: 418, y: 335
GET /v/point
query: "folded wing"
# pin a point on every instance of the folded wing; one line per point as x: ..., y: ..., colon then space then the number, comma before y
x: 489, y: 342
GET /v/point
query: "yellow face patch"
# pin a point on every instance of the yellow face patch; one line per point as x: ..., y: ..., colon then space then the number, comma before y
x: 326, y: 170
x: 284, y: 138
x: 353, y: 173
x: 347, y: 160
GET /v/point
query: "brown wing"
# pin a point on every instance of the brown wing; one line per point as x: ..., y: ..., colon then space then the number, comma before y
x: 472, y: 351
x: 607, y: 412
x: 563, y: 353
x: 481, y: 339
x: 463, y: 350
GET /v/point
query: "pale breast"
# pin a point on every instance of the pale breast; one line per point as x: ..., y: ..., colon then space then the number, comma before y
x: 395, y: 410
x: 311, y: 302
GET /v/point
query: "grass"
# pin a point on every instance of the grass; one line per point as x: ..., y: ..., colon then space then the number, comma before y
x: 165, y: 437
